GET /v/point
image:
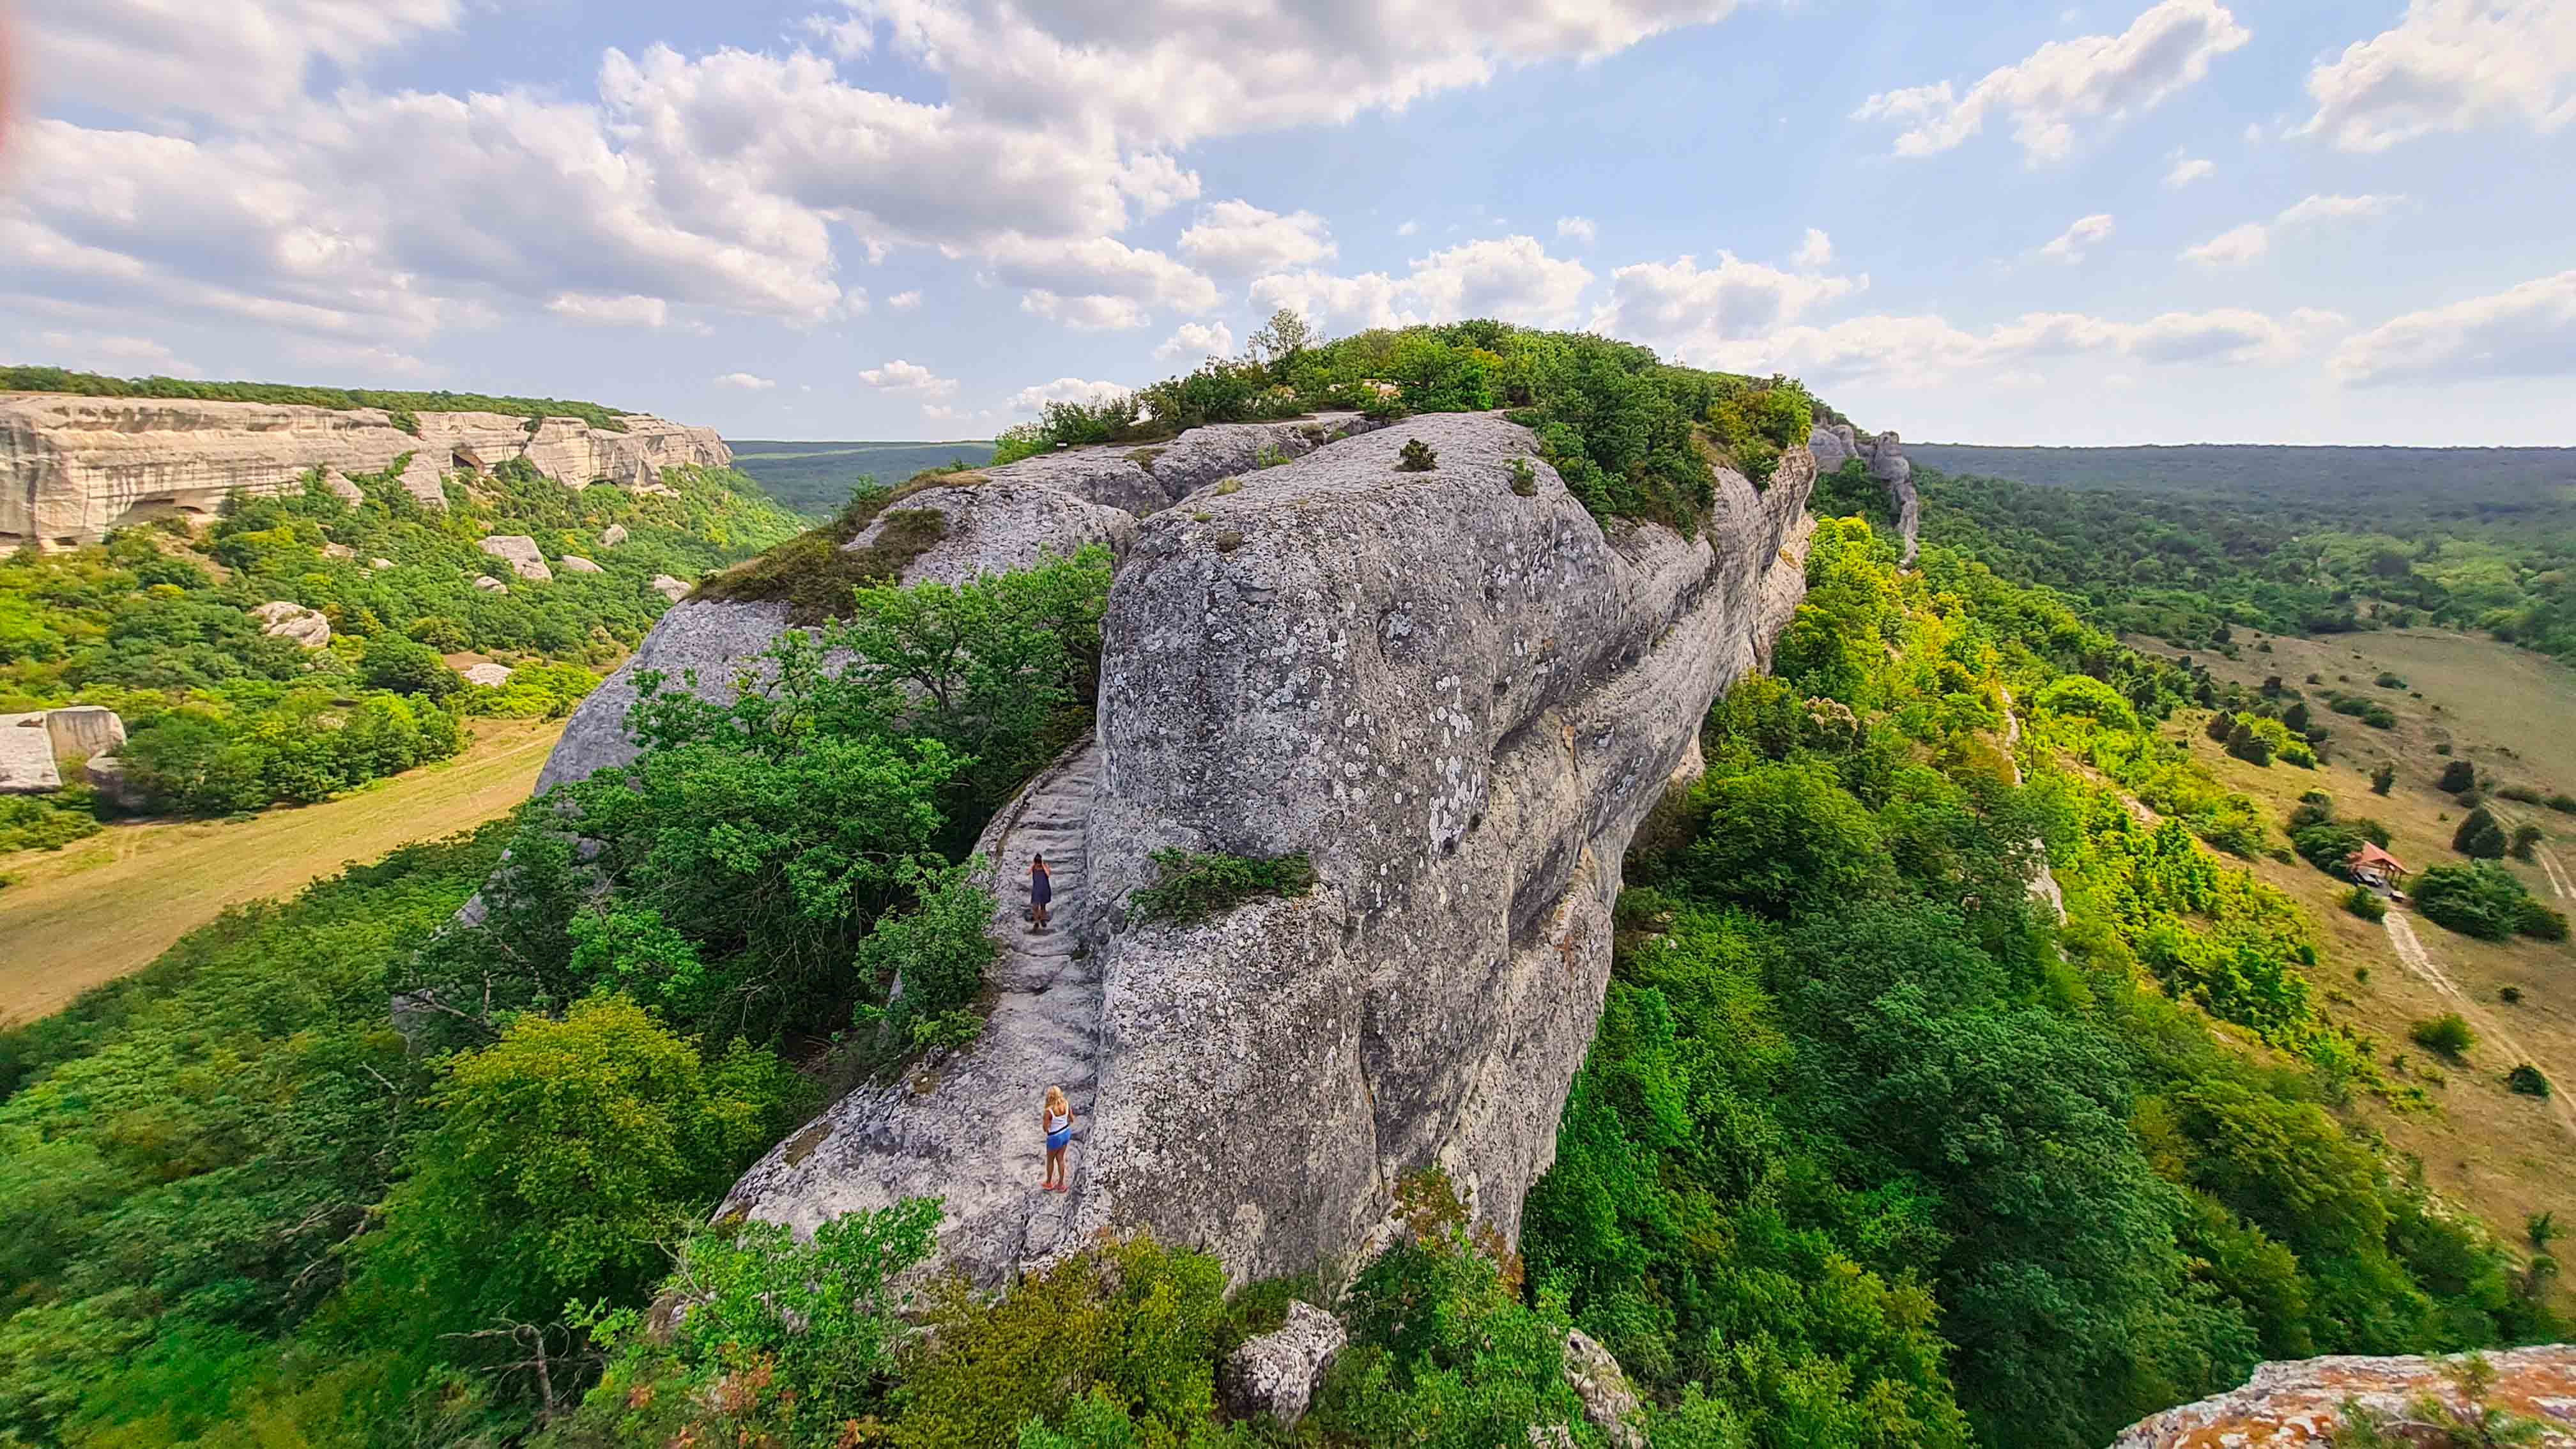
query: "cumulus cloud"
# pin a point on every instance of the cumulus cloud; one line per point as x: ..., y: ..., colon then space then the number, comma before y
x: 2523, y: 331
x: 1578, y: 228
x: 2046, y: 94
x: 149, y: 58
x: 1239, y: 239
x: 630, y: 310
x: 1408, y: 228
x: 2242, y: 244
x: 904, y: 301
x: 2085, y: 233
x: 1064, y: 389
x: 1511, y: 278
x: 1198, y: 340
x: 1815, y: 251
x: 1097, y: 282
x: 746, y: 382
x: 1088, y: 313
x: 2450, y: 65
x: 2188, y: 169
x: 1694, y: 311
x: 907, y: 377
x: 1924, y: 350
x: 113, y: 353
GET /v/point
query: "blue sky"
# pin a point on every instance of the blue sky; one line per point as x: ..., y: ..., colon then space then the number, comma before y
x: 2169, y: 222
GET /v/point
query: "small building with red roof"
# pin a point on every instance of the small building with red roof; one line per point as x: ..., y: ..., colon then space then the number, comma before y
x: 2373, y: 866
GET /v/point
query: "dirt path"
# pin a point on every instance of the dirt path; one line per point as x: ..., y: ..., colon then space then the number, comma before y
x: 107, y: 905
x: 2401, y: 935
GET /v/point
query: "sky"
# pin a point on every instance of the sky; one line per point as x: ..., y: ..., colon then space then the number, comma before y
x: 2312, y: 221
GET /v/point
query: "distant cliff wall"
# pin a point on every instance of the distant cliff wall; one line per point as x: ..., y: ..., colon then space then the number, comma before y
x: 73, y: 467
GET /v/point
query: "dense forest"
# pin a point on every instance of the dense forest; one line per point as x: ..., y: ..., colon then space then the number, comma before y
x: 2285, y: 555
x: 1873, y: 1148
x: 815, y: 478
x: 222, y: 717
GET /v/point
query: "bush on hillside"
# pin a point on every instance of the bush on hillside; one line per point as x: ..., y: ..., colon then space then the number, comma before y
x: 2484, y: 900
x: 2480, y: 836
x: 2364, y: 902
x: 2382, y: 778
x: 2458, y: 775
x: 2448, y: 1034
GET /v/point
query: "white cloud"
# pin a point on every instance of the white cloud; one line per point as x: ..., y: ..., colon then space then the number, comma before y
x: 2524, y: 331
x: 157, y: 58
x: 1408, y: 229
x: 908, y: 377
x: 1086, y: 314
x: 1923, y: 350
x: 2083, y: 234
x: 2064, y: 82
x: 904, y: 301
x: 1198, y: 340
x: 1063, y: 389
x: 746, y: 382
x: 2450, y: 65
x: 2242, y: 244
x: 2233, y: 247
x: 1239, y: 239
x: 1098, y: 282
x: 1156, y: 183
x: 627, y: 311
x: 1815, y: 251
x: 1693, y: 312
x: 1510, y: 278
x: 2188, y: 169
x: 1579, y: 228
x: 94, y: 351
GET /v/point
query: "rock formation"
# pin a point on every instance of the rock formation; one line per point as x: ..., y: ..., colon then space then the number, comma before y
x: 490, y: 585
x: 520, y: 552
x: 574, y: 563
x: 1835, y: 444
x: 1460, y: 702
x: 488, y: 673
x: 73, y: 467
x: 2303, y: 1403
x: 613, y: 535
x: 1277, y: 1373
x: 284, y: 619
x: 37, y: 747
x: 670, y: 588
x: 1610, y: 1403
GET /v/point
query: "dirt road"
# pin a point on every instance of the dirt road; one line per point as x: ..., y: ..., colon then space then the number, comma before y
x: 2401, y: 935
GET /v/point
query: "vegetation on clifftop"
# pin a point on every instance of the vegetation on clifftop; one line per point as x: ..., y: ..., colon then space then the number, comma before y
x: 401, y: 404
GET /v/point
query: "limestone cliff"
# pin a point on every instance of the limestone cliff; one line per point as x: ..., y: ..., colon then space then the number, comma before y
x: 73, y: 467
x: 1835, y: 444
x: 1459, y: 701
x: 2286, y: 1405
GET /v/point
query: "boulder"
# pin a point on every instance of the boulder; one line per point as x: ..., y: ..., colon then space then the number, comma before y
x: 339, y: 552
x: 488, y: 673
x: 1277, y: 1373
x: 520, y: 552
x: 281, y: 619
x: 670, y: 588
x: 613, y: 535
x: 700, y: 645
x: 2305, y: 1402
x: 380, y: 563
x: 423, y: 484
x: 108, y: 776
x: 341, y: 488
x: 574, y: 563
x: 490, y: 585
x: 27, y: 756
x: 1610, y: 1403
x: 1460, y: 702
x: 1833, y: 445
x: 80, y: 730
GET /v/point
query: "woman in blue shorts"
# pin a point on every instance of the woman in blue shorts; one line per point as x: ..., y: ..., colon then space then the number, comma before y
x: 1058, y: 1120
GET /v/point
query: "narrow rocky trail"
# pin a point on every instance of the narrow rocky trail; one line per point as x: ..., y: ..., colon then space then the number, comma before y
x: 2410, y: 949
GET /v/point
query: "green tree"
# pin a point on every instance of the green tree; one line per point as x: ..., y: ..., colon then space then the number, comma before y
x: 2481, y: 836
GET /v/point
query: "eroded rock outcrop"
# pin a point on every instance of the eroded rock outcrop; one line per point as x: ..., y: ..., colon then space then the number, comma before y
x: 2304, y: 1402
x: 286, y: 619
x: 1835, y: 444
x: 73, y: 467
x: 1278, y: 1372
x: 1459, y: 702
x: 520, y: 552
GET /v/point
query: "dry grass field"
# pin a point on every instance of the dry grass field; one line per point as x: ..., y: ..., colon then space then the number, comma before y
x: 103, y: 906
x: 2514, y: 714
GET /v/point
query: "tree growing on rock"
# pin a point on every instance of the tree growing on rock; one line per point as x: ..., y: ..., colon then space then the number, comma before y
x: 1416, y: 457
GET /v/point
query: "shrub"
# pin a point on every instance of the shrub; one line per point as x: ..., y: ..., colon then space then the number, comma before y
x: 1197, y: 885
x: 2539, y: 921
x: 2563, y: 803
x: 1524, y: 478
x: 2510, y: 996
x: 2526, y: 839
x: 2481, y: 899
x: 2458, y: 775
x: 2448, y: 1034
x: 2383, y: 777
x: 2362, y: 901
x: 2523, y: 793
x: 1416, y: 457
x: 2387, y: 680
x: 2527, y: 1080
x: 2480, y: 837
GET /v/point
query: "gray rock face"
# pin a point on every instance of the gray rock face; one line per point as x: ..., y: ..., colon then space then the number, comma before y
x: 1277, y: 1373
x: 27, y: 756
x: 341, y: 488
x: 714, y: 641
x: 1835, y: 444
x: 1460, y: 703
x: 1005, y: 524
x: 520, y: 552
x: 2304, y: 1402
x: 1610, y: 1402
x: 80, y: 730
x: 281, y: 619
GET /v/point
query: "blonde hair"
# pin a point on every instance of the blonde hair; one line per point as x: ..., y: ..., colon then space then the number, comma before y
x: 1055, y: 1100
